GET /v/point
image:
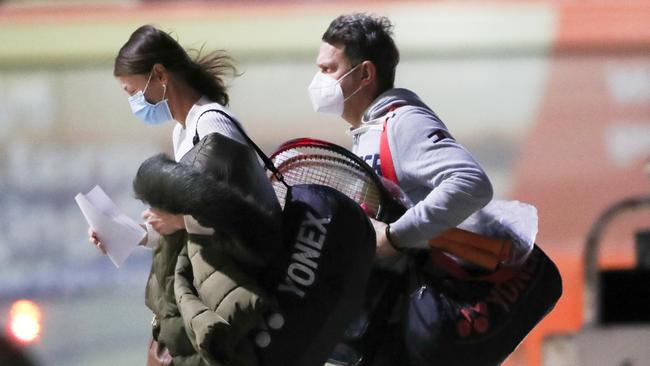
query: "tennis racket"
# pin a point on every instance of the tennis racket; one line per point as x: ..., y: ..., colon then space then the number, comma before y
x: 312, y: 161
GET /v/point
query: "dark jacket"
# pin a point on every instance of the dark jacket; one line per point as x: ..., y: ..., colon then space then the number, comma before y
x: 168, y: 327
x: 220, y: 302
x: 208, y: 291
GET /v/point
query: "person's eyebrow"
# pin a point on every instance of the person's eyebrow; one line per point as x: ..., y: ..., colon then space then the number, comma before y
x: 326, y: 64
x: 128, y: 90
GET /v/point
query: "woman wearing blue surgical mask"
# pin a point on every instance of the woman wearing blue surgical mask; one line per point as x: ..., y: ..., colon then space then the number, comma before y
x: 164, y: 84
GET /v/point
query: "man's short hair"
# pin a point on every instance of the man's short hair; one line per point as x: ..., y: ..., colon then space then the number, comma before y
x: 367, y: 37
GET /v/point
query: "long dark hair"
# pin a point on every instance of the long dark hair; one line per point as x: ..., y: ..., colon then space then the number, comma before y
x: 149, y: 45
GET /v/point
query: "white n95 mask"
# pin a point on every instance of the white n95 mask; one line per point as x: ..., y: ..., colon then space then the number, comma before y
x: 326, y: 94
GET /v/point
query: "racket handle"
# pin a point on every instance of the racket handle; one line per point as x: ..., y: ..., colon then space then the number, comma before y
x: 498, y: 247
x: 466, y: 252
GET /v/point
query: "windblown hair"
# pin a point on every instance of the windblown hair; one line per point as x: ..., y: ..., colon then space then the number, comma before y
x: 366, y: 37
x: 181, y: 189
x: 149, y: 45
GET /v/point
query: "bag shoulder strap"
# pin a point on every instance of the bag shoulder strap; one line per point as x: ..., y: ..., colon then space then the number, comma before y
x: 387, y: 166
x: 385, y: 157
x: 265, y: 159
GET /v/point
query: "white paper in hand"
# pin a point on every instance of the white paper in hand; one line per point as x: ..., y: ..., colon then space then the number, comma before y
x: 118, y: 233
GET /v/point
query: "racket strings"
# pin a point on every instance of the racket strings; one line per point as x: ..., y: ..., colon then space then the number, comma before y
x: 326, y: 168
x: 338, y: 177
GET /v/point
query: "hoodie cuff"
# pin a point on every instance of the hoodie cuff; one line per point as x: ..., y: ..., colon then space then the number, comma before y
x: 403, y: 237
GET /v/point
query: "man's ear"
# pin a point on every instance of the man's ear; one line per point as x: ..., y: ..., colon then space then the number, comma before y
x: 160, y: 73
x: 368, y: 73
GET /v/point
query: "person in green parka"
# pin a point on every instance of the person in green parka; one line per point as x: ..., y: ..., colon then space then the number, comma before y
x: 202, y: 288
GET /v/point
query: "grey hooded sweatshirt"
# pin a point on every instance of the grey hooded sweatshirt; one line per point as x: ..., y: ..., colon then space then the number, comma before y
x: 440, y: 176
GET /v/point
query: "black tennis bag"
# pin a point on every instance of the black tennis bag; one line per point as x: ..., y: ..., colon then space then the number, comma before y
x: 330, y: 246
x: 318, y: 270
x: 320, y: 276
x: 455, y: 322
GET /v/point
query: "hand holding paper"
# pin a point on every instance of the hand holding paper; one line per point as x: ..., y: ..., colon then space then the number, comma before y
x: 119, y: 234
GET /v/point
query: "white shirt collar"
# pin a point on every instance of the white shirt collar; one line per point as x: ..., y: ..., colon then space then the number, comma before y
x: 376, y: 124
x: 190, y: 120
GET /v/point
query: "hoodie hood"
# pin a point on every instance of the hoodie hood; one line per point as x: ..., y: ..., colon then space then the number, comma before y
x: 390, y: 99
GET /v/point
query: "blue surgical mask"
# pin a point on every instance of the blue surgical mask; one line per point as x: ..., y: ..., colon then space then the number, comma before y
x: 151, y: 114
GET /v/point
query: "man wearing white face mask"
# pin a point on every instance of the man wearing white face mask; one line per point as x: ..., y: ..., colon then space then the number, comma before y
x: 445, y: 325
x: 357, y: 62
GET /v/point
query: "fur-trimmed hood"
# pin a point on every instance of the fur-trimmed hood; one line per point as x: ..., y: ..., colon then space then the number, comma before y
x: 211, y: 194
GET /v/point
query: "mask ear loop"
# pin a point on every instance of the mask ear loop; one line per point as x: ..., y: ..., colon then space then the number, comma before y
x: 354, y: 92
x: 348, y: 73
x: 147, y: 84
